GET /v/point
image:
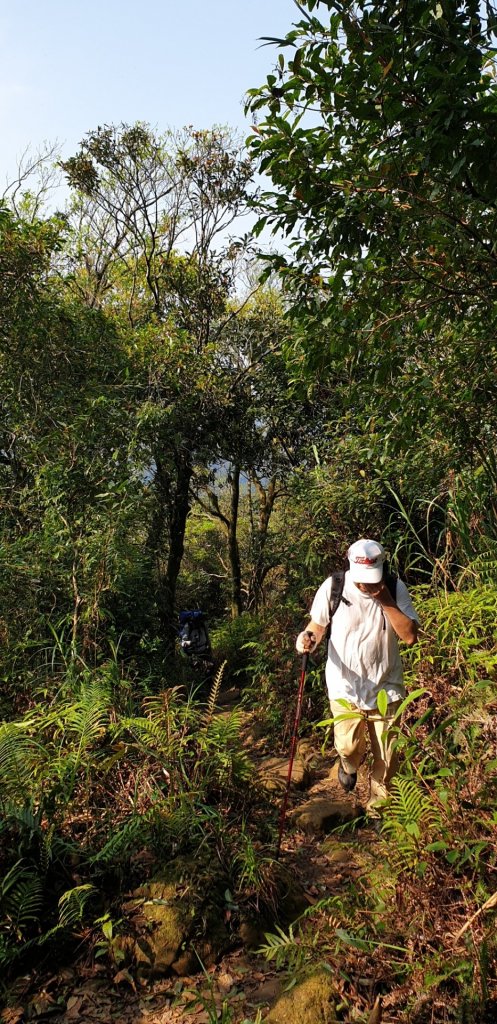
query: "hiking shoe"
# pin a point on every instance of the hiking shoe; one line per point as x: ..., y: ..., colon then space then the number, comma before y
x: 347, y: 780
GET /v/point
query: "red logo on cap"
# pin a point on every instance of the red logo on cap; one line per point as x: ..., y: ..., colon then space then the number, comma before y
x: 361, y: 560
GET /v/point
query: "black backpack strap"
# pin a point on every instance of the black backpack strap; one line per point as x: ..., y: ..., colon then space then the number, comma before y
x: 337, y: 582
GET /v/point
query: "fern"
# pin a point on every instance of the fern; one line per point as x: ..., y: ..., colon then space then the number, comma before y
x: 72, y: 904
x: 160, y: 731
x: 214, y: 694
x: 150, y: 734
x: 164, y: 708
x: 287, y: 949
x: 21, y: 898
x: 185, y: 824
x: 227, y: 761
x: 276, y: 942
x: 24, y: 819
x: 18, y: 753
x: 21, y: 905
x: 410, y: 818
x: 89, y: 717
x: 135, y: 830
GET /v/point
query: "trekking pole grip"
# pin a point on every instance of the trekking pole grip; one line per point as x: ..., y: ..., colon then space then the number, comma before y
x: 305, y: 656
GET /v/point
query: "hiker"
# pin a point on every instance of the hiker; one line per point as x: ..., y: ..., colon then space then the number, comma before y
x: 194, y: 641
x: 193, y: 634
x: 363, y: 658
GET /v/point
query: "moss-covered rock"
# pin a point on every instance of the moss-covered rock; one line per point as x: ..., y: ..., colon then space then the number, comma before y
x: 177, y: 920
x: 165, y: 922
x: 310, y: 1002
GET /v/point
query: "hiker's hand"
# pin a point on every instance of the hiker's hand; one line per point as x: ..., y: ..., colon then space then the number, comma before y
x: 379, y: 591
x: 306, y: 642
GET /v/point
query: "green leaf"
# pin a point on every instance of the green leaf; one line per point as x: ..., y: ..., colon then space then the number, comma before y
x: 382, y: 702
x: 352, y: 940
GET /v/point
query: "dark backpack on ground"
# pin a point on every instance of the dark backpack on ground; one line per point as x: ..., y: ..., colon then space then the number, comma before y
x: 336, y: 595
x: 194, y: 635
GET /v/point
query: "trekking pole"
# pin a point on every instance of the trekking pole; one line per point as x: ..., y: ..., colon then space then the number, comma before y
x: 305, y: 659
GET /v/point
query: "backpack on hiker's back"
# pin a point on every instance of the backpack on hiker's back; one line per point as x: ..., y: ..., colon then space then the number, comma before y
x: 194, y: 635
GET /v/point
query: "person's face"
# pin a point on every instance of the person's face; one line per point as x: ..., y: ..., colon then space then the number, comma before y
x: 369, y: 588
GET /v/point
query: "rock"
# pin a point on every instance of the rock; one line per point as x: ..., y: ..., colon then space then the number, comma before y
x: 337, y: 853
x: 273, y: 773
x: 267, y: 992
x: 167, y: 924
x: 252, y: 934
x: 207, y: 950
x: 319, y: 814
x: 311, y: 1002
x: 306, y: 748
x: 176, y: 920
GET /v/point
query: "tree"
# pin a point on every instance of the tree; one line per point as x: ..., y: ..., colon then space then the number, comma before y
x: 379, y: 135
x: 275, y: 423
x: 153, y: 207
x: 63, y: 448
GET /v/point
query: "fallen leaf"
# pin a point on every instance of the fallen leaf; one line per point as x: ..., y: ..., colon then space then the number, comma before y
x: 225, y: 982
x: 74, y: 1004
x: 124, y: 975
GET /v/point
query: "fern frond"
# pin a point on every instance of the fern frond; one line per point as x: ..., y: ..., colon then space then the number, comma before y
x: 10, y: 880
x: 135, y: 830
x: 17, y: 756
x: 227, y: 760
x: 224, y: 730
x: 410, y: 818
x: 214, y: 693
x: 149, y: 734
x: 162, y: 706
x: 72, y: 904
x: 277, y: 942
x: 89, y: 717
x: 25, y: 818
x: 21, y: 897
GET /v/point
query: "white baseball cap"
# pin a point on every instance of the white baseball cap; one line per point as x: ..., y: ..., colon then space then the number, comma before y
x: 366, y: 559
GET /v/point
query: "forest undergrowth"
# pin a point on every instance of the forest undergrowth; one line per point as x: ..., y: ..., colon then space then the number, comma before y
x: 106, y: 779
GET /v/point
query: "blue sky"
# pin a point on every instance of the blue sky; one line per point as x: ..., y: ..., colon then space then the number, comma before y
x: 67, y: 66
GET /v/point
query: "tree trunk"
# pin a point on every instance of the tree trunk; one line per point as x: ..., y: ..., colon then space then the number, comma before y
x: 173, y: 500
x: 267, y: 497
x: 234, y: 552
